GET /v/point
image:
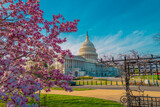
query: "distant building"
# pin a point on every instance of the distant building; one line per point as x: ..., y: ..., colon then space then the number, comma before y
x: 86, y: 63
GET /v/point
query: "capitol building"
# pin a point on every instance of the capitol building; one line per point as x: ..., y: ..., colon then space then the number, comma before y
x: 85, y: 63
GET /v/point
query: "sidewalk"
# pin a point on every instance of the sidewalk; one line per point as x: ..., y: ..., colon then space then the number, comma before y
x: 109, y: 87
x: 113, y: 95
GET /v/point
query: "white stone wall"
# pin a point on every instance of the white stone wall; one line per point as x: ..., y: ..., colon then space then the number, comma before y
x: 78, y: 67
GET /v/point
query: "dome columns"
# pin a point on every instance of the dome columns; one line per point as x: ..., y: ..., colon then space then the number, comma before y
x: 88, y: 51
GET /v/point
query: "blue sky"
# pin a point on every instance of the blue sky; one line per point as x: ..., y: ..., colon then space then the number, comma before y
x: 114, y: 26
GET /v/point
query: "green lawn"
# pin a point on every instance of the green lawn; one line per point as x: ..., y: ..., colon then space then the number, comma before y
x: 74, y: 89
x: 146, y: 77
x: 76, y: 101
x: 53, y: 100
x: 2, y: 105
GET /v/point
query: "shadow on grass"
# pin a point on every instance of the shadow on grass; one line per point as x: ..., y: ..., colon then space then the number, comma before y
x: 54, y: 100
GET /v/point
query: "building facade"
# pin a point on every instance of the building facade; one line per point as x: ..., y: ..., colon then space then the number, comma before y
x: 85, y: 63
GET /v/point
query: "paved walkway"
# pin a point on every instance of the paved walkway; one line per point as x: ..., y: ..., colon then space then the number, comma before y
x: 109, y: 87
x: 107, y: 94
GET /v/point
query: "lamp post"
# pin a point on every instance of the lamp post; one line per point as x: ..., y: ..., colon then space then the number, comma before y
x: 157, y: 71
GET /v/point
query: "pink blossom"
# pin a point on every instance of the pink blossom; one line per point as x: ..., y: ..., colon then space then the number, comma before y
x: 21, y: 41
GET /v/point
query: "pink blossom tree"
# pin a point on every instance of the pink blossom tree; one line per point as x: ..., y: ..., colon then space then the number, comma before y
x: 21, y: 39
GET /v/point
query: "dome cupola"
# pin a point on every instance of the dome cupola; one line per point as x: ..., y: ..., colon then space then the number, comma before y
x: 88, y: 51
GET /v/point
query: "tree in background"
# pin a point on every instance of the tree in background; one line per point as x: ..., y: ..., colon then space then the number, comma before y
x: 157, y: 37
x: 21, y: 39
x: 132, y: 54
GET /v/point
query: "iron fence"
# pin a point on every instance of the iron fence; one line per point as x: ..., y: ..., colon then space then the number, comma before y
x: 145, y: 101
x: 137, y: 66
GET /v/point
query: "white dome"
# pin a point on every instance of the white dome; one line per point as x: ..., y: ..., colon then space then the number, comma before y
x: 88, y: 51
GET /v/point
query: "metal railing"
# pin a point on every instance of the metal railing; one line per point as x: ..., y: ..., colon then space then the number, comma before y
x: 145, y: 101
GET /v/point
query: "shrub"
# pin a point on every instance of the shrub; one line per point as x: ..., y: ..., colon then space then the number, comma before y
x: 83, y: 77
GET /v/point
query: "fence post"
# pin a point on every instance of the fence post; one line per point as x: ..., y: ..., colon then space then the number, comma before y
x: 87, y: 82
x: 147, y: 100
x: 96, y: 82
x: 157, y: 83
x: 111, y: 82
x: 79, y: 83
x: 139, y: 101
x: 141, y: 83
x: 116, y: 83
x: 151, y: 102
x: 106, y: 82
x: 122, y: 82
x: 101, y: 82
x: 149, y: 83
x: 83, y: 82
x: 135, y: 82
x: 154, y: 83
x: 92, y: 82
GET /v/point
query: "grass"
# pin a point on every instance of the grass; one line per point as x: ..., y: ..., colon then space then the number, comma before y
x: 2, y: 104
x: 76, y: 101
x: 74, y: 89
x: 84, y: 77
x: 54, y: 100
x: 146, y: 77
x: 101, y: 79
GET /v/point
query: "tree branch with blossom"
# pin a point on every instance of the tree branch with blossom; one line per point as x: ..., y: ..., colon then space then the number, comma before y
x: 21, y: 26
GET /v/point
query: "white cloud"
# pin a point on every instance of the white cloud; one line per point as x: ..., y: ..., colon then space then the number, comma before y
x: 73, y: 43
x: 114, y: 43
x: 119, y: 44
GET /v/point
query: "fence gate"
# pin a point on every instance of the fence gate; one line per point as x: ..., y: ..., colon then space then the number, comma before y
x: 145, y: 101
x: 140, y: 67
